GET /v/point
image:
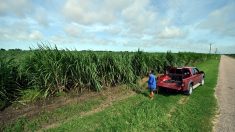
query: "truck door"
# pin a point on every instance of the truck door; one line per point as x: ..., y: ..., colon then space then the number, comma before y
x: 196, y: 76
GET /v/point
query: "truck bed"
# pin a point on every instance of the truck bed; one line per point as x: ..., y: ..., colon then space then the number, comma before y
x: 171, y: 81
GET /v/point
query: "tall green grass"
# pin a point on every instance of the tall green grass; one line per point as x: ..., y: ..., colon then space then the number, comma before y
x: 8, y: 79
x: 51, y: 71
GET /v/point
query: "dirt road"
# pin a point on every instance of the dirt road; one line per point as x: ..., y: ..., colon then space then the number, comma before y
x: 225, y: 93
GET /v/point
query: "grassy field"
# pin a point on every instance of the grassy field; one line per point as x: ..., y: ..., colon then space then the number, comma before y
x: 166, y: 112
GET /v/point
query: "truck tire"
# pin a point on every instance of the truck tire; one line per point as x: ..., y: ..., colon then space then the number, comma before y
x: 190, y: 89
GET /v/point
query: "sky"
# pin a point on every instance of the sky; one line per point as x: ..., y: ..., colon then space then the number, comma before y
x: 119, y: 25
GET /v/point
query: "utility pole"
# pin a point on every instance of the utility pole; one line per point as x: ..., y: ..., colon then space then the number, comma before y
x: 210, y: 48
x: 216, y: 50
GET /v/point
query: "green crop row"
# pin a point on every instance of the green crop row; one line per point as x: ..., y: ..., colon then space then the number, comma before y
x: 48, y: 71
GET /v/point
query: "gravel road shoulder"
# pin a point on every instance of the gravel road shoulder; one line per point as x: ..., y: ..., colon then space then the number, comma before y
x: 225, y: 93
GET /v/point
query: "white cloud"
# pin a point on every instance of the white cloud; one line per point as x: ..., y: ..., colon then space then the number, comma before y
x: 221, y: 21
x: 36, y: 35
x: 171, y: 32
x: 41, y: 16
x: 134, y: 15
x: 73, y: 30
x: 139, y: 17
x: 88, y: 12
x: 21, y: 20
x: 15, y: 7
x: 19, y: 32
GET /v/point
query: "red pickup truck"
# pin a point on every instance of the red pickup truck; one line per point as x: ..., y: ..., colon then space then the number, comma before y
x: 181, y: 79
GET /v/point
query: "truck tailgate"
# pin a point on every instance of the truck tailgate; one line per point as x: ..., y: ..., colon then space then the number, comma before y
x: 170, y: 85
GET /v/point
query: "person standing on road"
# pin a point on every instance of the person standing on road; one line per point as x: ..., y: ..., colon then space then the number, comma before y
x: 152, y: 83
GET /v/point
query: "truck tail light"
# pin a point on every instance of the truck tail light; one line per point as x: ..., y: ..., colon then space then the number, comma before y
x: 182, y: 84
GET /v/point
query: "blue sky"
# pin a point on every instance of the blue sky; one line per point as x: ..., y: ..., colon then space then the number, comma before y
x: 121, y: 25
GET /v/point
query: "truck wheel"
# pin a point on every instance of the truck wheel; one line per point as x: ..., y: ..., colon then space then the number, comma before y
x: 190, y: 90
x: 202, y: 82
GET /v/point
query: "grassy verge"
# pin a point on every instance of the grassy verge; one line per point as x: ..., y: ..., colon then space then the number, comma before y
x: 46, y: 117
x: 167, y: 112
x: 197, y: 113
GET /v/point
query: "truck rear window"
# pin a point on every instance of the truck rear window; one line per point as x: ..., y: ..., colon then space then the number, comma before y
x: 184, y: 72
x: 175, y: 71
